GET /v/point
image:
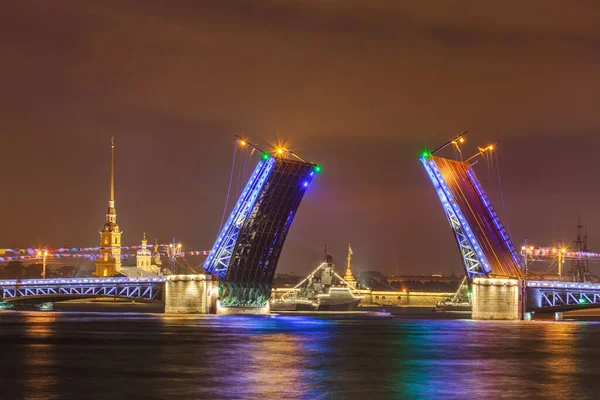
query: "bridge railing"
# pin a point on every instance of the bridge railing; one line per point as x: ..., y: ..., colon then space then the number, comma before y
x: 67, y: 281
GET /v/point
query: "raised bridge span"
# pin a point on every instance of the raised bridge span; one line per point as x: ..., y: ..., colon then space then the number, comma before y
x: 494, y: 269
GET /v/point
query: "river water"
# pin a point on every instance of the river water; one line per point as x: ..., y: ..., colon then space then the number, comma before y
x: 55, y: 355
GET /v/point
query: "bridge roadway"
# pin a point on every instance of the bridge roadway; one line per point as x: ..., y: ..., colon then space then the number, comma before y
x: 542, y: 296
x: 73, y: 288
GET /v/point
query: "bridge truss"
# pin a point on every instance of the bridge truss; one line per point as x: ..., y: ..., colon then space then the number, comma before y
x: 563, y: 295
x: 247, y: 249
x: 132, y: 288
x: 484, y: 245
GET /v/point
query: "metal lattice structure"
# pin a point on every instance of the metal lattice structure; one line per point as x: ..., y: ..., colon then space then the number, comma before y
x: 248, y: 247
x: 562, y: 295
x: 484, y: 245
x: 132, y: 288
x: 219, y: 257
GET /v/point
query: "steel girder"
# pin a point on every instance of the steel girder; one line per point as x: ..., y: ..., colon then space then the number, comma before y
x: 234, y: 294
x: 554, y: 298
x: 218, y: 259
x: 473, y: 258
x: 500, y: 229
x: 246, y: 252
x: 145, y: 289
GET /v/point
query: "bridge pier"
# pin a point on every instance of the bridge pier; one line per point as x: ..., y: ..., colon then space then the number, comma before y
x: 188, y: 294
x: 497, y: 299
x: 222, y: 310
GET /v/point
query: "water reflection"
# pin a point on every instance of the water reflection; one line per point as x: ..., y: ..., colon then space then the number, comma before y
x: 560, y: 364
x: 54, y: 355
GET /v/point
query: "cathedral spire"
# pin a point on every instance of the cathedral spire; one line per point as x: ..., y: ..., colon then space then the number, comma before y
x: 112, y: 170
x: 111, y: 216
x: 109, y: 262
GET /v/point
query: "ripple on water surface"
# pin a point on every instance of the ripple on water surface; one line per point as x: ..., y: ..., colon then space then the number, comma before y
x: 153, y: 356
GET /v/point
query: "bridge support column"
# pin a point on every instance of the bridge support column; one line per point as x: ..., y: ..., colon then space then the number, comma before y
x: 189, y: 294
x: 265, y: 310
x: 498, y: 299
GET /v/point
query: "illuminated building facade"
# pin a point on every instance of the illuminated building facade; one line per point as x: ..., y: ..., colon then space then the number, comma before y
x: 143, y: 257
x: 109, y: 262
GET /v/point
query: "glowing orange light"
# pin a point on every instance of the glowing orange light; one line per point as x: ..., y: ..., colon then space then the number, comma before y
x: 280, y: 150
x: 491, y: 147
x: 461, y: 140
x: 243, y: 142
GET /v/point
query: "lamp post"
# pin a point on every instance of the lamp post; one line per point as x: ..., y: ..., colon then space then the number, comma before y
x: 43, y: 254
x: 174, y: 251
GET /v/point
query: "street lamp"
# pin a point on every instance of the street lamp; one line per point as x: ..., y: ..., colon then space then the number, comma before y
x: 43, y: 254
x: 174, y: 250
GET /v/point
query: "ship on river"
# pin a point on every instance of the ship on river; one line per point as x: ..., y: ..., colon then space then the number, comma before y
x: 322, y: 290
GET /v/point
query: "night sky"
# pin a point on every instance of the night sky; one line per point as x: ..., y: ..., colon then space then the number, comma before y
x: 356, y: 87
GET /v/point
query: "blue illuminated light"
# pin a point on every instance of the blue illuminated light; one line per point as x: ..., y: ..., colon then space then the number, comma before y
x: 498, y: 227
x: 305, y: 184
x: 453, y: 212
x: 221, y: 252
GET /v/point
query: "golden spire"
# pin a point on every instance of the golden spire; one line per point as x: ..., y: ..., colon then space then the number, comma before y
x: 112, y: 170
x: 144, y: 241
x: 111, y: 216
x: 348, y: 277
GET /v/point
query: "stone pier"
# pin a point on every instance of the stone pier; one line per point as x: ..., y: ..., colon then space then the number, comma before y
x: 189, y: 294
x: 222, y: 310
x: 498, y: 299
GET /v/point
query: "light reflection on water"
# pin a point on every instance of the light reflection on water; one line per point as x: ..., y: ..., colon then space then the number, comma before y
x: 125, y: 356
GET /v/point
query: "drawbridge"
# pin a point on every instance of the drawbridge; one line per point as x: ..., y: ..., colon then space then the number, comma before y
x: 247, y: 249
x: 484, y: 244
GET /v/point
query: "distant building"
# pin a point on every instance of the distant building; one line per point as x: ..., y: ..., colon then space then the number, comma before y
x: 109, y: 263
x: 143, y: 257
x: 282, y: 280
x: 373, y: 279
x: 424, y: 278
